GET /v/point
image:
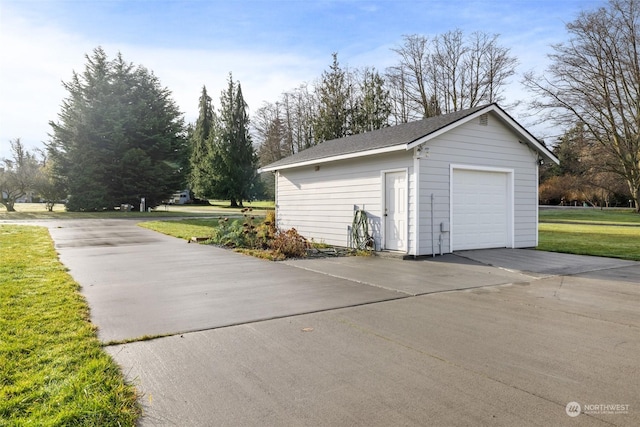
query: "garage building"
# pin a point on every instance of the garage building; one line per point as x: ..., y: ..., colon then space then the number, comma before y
x: 460, y: 181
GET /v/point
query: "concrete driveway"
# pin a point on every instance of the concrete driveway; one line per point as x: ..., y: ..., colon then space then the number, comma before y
x: 499, y: 337
x: 142, y: 283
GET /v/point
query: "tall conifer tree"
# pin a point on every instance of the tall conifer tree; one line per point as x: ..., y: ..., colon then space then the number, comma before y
x: 235, y: 161
x: 334, y: 113
x: 119, y: 137
x: 373, y: 107
x: 202, y: 140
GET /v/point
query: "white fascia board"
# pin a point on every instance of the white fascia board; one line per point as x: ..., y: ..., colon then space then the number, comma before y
x: 525, y: 133
x: 336, y: 158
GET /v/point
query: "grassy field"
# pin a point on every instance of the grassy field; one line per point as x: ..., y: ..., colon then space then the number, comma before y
x: 53, y: 370
x: 185, y: 228
x: 590, y: 216
x: 218, y: 207
x: 607, y: 233
x: 37, y: 211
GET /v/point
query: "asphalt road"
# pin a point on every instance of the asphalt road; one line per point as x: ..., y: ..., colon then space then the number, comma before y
x: 502, y: 337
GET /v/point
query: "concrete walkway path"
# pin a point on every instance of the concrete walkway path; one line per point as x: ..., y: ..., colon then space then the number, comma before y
x: 544, y: 264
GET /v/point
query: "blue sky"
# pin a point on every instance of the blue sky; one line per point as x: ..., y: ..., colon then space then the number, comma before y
x: 269, y: 46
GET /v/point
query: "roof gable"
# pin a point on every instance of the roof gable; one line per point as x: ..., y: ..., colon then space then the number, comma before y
x: 405, y: 136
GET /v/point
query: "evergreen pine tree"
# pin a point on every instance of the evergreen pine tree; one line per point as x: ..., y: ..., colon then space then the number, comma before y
x: 119, y: 137
x: 202, y: 140
x: 334, y: 114
x: 235, y: 161
x: 374, y: 106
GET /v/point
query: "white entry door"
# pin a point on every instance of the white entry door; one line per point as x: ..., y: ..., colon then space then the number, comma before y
x: 395, y: 211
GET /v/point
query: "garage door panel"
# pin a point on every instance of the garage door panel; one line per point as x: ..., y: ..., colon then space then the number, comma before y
x: 480, y: 206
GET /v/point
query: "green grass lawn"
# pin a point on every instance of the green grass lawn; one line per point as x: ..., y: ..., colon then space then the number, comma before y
x: 607, y: 233
x: 185, y: 228
x: 35, y: 211
x: 53, y: 370
x: 590, y: 216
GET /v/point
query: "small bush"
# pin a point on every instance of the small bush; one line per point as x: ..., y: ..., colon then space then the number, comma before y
x: 250, y: 230
x: 228, y: 233
x: 270, y: 219
x: 266, y: 231
x: 248, y: 235
x: 290, y: 244
x: 231, y: 234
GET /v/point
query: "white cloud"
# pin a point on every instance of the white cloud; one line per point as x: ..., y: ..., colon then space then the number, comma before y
x: 263, y: 75
x: 36, y: 59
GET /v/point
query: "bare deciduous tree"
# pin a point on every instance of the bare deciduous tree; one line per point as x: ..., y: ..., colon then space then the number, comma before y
x: 449, y: 63
x: 401, y: 111
x: 413, y: 78
x: 489, y: 66
x: 49, y: 187
x: 18, y: 174
x: 299, y: 110
x: 594, y: 79
x: 271, y: 131
x: 447, y: 73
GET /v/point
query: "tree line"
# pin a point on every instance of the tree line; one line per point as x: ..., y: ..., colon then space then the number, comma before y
x: 592, y: 89
x: 433, y: 76
x: 120, y: 137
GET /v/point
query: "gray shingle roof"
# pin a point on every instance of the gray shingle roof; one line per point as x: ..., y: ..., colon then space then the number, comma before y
x: 382, y: 138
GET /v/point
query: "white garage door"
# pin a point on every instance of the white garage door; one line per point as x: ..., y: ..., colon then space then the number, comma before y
x: 480, y: 210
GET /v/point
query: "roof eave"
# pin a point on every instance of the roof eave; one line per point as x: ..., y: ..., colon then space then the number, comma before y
x: 311, y: 162
x: 530, y: 139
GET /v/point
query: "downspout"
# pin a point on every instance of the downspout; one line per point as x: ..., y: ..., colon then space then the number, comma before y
x: 277, y: 177
x: 537, y: 201
x: 433, y: 233
x: 416, y: 205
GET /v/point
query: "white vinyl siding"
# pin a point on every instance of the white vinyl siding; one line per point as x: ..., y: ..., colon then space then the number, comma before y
x: 319, y: 200
x: 472, y: 144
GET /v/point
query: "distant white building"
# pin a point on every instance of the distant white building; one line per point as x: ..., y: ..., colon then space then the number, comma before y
x: 180, y: 198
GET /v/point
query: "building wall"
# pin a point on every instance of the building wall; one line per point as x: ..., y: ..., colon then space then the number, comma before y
x: 320, y: 201
x: 490, y: 145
